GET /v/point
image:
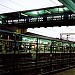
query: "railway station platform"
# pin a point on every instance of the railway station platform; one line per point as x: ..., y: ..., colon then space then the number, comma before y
x: 67, y: 72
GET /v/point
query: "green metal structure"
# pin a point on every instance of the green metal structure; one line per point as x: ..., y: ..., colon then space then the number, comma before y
x: 33, y: 18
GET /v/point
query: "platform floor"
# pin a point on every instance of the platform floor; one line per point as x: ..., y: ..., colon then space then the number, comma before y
x: 67, y: 72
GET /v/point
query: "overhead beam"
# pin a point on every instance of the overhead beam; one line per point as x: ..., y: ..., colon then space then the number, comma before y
x: 69, y: 4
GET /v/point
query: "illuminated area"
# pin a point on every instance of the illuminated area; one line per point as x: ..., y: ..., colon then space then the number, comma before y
x: 35, y: 15
x: 22, y: 5
x: 45, y: 11
x: 54, y: 31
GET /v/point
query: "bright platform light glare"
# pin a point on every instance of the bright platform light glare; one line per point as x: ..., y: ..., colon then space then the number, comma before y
x: 34, y: 12
x: 54, y: 31
x: 7, y: 6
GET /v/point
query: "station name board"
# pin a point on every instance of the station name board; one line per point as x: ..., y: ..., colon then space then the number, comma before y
x: 36, y: 19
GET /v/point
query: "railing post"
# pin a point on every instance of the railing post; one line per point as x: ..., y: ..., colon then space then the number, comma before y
x: 36, y: 54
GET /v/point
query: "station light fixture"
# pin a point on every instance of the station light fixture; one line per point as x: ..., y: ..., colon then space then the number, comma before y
x: 48, y: 11
x: 34, y: 12
x: 0, y: 22
x: 24, y: 14
x: 65, y: 8
x: 60, y: 9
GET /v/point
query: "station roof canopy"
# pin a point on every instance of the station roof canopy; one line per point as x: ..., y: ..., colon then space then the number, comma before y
x: 36, y: 12
x: 7, y: 6
x: 30, y: 8
x: 15, y: 9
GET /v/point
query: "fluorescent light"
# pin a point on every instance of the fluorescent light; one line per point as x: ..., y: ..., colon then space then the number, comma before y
x: 0, y: 22
x: 34, y: 12
x: 24, y: 14
x: 48, y: 11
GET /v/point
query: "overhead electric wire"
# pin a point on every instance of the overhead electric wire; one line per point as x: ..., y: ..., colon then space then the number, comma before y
x: 17, y: 4
x: 7, y: 7
x: 53, y: 2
